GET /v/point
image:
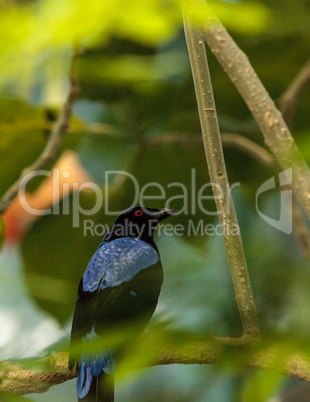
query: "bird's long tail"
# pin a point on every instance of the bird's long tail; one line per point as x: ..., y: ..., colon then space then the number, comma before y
x: 97, y: 389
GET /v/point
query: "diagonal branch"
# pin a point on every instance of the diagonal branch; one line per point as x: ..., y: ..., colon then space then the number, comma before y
x: 50, y: 151
x: 287, y: 105
x: 219, y: 179
x: 275, y: 131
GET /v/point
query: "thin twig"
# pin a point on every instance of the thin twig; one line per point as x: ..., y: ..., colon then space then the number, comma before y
x: 289, y: 99
x: 229, y: 140
x: 219, y: 179
x: 276, y: 133
x: 107, y: 132
x: 51, y: 149
x: 278, y: 357
x: 250, y: 147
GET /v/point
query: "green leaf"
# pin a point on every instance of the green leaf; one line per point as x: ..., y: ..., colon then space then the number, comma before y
x: 22, y: 139
x: 261, y: 386
x: 249, y: 17
x: 34, y: 32
x: 10, y: 397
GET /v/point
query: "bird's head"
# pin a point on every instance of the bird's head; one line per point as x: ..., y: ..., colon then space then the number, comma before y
x: 138, y: 222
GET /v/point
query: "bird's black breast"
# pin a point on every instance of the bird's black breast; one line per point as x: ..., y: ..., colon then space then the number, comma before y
x: 130, y: 302
x: 119, y: 290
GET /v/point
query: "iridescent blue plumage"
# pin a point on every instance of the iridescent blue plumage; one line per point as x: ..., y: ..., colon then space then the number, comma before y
x: 118, y: 261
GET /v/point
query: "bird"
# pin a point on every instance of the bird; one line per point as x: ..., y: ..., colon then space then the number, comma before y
x: 120, y: 287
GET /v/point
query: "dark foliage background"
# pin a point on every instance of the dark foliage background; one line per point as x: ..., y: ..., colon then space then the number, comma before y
x: 136, y: 91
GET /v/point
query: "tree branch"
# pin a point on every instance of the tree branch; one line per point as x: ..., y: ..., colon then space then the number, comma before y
x: 250, y: 147
x: 108, y: 132
x: 219, y: 179
x: 289, y: 99
x: 287, y: 105
x: 193, y: 350
x: 275, y: 131
x: 231, y: 140
x: 50, y: 151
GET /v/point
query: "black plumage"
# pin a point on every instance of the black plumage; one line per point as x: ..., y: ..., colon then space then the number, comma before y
x: 118, y: 292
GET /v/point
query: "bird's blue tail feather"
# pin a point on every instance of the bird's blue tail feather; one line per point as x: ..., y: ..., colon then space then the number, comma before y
x: 91, y: 366
x: 84, y: 380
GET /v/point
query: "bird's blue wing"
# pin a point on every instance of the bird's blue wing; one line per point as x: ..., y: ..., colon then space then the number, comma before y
x: 113, y: 264
x: 116, y: 262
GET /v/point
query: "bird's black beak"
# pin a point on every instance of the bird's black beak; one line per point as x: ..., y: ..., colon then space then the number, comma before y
x: 164, y: 213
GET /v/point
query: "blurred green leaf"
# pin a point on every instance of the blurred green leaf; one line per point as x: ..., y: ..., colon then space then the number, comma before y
x: 134, y: 68
x: 261, y: 386
x: 24, y: 133
x: 19, y: 122
x: 290, y: 18
x: 248, y: 17
x: 11, y: 397
x: 45, y: 30
x: 35, y: 364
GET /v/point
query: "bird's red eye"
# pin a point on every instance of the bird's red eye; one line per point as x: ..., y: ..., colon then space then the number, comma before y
x: 138, y: 212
